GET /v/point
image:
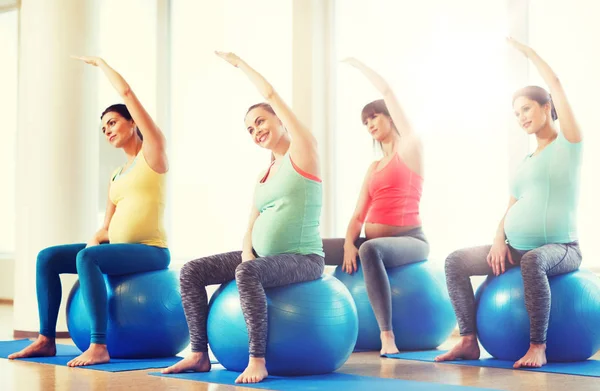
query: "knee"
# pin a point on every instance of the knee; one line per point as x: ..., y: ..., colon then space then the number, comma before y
x: 245, y: 271
x: 532, y: 262
x: 84, y: 259
x: 454, y: 262
x: 45, y: 259
x: 368, y: 253
x: 189, y: 274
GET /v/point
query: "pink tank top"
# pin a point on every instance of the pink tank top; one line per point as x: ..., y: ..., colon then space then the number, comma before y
x: 394, y: 195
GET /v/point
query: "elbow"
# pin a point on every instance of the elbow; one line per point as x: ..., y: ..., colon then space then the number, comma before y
x: 126, y: 91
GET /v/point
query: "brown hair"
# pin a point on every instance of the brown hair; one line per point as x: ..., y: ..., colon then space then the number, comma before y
x: 267, y: 107
x: 376, y: 107
x: 539, y: 95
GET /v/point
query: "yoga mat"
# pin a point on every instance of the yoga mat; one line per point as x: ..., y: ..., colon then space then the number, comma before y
x: 65, y: 353
x: 582, y: 368
x: 331, y: 381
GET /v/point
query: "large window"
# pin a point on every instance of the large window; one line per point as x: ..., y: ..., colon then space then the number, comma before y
x: 571, y: 54
x: 8, y: 130
x: 445, y: 61
x: 214, y: 162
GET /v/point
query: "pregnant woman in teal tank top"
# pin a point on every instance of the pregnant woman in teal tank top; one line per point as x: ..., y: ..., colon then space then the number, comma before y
x: 282, y: 244
x: 538, y: 230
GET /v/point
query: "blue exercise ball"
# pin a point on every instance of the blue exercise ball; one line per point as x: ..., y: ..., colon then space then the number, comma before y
x: 422, y: 315
x: 145, y: 316
x: 312, y: 327
x: 574, y: 329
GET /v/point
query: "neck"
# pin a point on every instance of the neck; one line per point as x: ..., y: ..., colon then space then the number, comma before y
x: 132, y: 148
x: 546, y: 135
x: 388, y: 145
x: 282, y: 147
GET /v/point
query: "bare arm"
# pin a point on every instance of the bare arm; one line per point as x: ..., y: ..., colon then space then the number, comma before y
x: 568, y: 124
x: 102, y: 234
x: 500, y: 237
x: 303, y: 148
x: 247, y: 252
x: 154, y: 146
x: 392, y: 103
x: 358, y: 217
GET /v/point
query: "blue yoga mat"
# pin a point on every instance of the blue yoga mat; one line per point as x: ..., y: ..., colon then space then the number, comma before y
x: 65, y: 353
x: 582, y: 368
x: 332, y: 381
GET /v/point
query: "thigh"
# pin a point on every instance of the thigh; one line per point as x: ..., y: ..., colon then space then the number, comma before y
x: 334, y: 250
x: 126, y: 258
x: 471, y: 261
x: 283, y: 269
x: 60, y: 259
x: 555, y: 258
x: 214, y: 269
x: 399, y: 250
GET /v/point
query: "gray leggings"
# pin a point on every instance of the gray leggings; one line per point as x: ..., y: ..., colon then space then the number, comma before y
x: 375, y: 256
x: 251, y: 278
x: 536, y: 266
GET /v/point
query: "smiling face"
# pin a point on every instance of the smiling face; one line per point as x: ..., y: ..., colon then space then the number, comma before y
x: 530, y: 115
x: 117, y: 130
x: 264, y: 127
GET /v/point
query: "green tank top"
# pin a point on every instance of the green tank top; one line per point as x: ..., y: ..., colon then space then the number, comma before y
x: 546, y: 187
x: 290, y: 212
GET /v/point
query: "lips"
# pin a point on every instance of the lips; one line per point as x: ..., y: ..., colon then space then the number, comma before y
x: 262, y: 138
x: 526, y: 124
x: 112, y: 137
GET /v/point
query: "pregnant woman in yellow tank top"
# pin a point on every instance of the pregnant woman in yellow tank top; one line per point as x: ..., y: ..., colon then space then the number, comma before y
x: 132, y: 238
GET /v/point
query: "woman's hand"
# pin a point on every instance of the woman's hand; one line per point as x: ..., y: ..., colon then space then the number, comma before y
x: 350, y: 255
x: 526, y: 50
x: 95, y: 61
x: 231, y: 58
x: 497, y: 257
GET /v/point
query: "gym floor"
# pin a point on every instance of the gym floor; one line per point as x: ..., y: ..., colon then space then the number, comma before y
x: 38, y: 377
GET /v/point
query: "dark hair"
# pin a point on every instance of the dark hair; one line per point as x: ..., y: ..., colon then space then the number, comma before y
x: 122, y: 110
x: 262, y: 105
x: 376, y: 107
x: 539, y: 95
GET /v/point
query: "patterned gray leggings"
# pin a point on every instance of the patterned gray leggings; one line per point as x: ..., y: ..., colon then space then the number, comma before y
x: 536, y: 266
x: 251, y: 278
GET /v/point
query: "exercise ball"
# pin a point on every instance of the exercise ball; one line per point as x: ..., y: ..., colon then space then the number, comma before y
x: 422, y: 315
x: 574, y: 328
x: 145, y: 316
x: 312, y: 327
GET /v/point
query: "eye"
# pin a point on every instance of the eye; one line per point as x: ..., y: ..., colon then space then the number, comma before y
x: 260, y: 121
x: 250, y: 130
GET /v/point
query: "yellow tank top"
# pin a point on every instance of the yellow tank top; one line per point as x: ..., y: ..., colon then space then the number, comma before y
x: 139, y: 194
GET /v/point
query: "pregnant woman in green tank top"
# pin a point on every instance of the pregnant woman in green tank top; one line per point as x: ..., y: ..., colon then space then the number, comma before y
x: 282, y: 244
x: 538, y: 230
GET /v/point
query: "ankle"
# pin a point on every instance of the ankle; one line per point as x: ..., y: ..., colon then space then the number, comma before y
x: 46, y: 340
x: 537, y: 346
x: 387, y: 334
x: 97, y: 346
x: 257, y: 360
x: 469, y: 338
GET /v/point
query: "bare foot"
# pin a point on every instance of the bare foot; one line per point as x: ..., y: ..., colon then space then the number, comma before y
x: 196, y: 362
x: 534, y: 358
x: 388, y: 343
x: 467, y: 349
x: 41, y: 347
x: 96, y: 354
x: 255, y: 372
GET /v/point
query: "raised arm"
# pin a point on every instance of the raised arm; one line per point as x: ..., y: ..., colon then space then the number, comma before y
x: 568, y: 124
x: 303, y: 147
x: 396, y: 112
x: 154, y: 145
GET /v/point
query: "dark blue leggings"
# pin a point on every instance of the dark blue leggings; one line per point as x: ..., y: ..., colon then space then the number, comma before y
x: 90, y: 263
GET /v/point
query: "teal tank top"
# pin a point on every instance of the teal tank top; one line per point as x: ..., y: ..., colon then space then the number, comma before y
x: 290, y: 212
x: 546, y: 187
